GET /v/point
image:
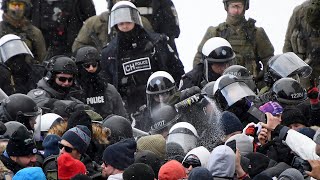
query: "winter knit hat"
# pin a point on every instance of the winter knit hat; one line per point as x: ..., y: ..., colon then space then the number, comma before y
x: 121, y: 154
x: 230, y: 123
x: 80, y: 117
x: 30, y: 173
x: 174, y: 151
x: 50, y: 145
x: 68, y: 167
x: 172, y: 170
x: 21, y: 143
x: 291, y: 116
x: 272, y: 107
x: 79, y: 137
x: 138, y: 171
x: 149, y: 158
x: 243, y: 142
x: 199, y: 173
x: 154, y: 143
x: 316, y: 137
x: 291, y: 174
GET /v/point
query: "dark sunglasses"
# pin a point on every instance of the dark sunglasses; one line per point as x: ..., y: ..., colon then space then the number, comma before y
x: 188, y: 164
x: 66, y: 148
x: 64, y: 79
x: 87, y: 65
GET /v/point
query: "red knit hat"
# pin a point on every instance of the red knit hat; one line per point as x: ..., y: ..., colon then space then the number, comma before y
x: 172, y: 170
x: 68, y: 167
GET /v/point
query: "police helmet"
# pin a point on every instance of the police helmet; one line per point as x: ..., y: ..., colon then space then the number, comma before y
x: 208, y: 89
x: 87, y: 54
x: 243, y: 74
x: 159, y: 84
x: 20, y: 107
x: 124, y: 11
x: 47, y: 120
x: 287, y: 65
x: 218, y: 50
x: 120, y: 127
x: 12, y: 45
x: 228, y: 90
x: 288, y: 91
x: 185, y: 134
x: 245, y: 3
x: 61, y: 64
x: 163, y: 118
x: 11, y: 126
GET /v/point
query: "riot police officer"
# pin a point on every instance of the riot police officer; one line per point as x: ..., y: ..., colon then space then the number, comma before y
x: 134, y: 54
x: 160, y: 89
x: 21, y: 108
x: 97, y: 93
x: 16, y: 71
x: 232, y: 94
x: 60, y: 22
x: 57, y: 85
x: 217, y: 55
x: 161, y: 14
x: 282, y: 66
x: 242, y: 74
x: 250, y: 43
x: 15, y: 21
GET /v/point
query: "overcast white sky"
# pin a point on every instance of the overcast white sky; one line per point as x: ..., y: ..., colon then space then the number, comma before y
x: 196, y: 16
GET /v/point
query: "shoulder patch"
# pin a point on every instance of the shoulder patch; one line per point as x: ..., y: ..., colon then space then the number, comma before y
x: 38, y: 92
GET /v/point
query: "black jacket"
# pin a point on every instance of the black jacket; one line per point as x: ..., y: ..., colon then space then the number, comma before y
x: 196, y: 77
x: 130, y: 58
x: 97, y: 93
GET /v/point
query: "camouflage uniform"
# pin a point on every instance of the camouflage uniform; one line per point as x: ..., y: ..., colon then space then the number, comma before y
x: 304, y: 39
x: 250, y: 43
x: 94, y: 32
x: 30, y: 34
x: 5, y: 173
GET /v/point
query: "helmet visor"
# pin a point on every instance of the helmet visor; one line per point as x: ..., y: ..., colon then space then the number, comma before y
x: 13, y: 48
x: 236, y: 91
x: 289, y: 64
x: 186, y: 141
x: 124, y: 14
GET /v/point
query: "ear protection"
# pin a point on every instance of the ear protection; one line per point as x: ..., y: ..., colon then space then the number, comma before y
x: 49, y: 66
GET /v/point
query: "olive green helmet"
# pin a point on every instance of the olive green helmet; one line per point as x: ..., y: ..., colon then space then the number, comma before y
x: 245, y: 3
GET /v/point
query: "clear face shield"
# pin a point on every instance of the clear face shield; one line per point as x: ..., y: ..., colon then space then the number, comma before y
x: 159, y: 99
x: 12, y: 47
x: 250, y: 83
x: 290, y: 65
x: 186, y: 140
x: 236, y: 91
x: 124, y: 14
